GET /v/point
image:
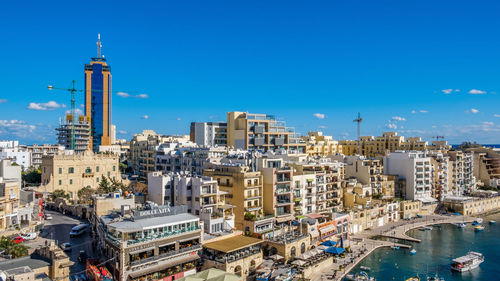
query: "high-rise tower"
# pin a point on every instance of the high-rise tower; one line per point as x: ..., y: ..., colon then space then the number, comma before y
x: 98, y: 99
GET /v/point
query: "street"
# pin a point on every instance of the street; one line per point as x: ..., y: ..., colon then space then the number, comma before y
x: 58, y: 229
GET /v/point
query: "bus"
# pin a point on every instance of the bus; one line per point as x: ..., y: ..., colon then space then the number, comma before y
x: 78, y: 230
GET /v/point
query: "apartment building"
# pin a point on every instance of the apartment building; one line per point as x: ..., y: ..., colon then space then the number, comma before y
x: 73, y: 172
x: 440, y: 173
x: 317, y: 186
x: 463, y: 180
x: 246, y: 193
x: 261, y: 132
x: 200, y: 194
x: 37, y: 151
x: 9, y: 171
x: 415, y: 168
x: 240, y: 255
x: 17, y: 154
x: 81, y: 128
x: 370, y: 172
x: 208, y: 133
x: 379, y: 146
x: 142, y: 151
x: 486, y: 167
x: 9, y: 203
x: 319, y: 145
x: 150, y: 244
x: 277, y: 191
x: 187, y: 157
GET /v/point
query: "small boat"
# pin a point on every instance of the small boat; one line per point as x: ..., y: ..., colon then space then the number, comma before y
x: 468, y: 262
x: 435, y: 278
x: 361, y: 276
x: 414, y: 278
x: 492, y: 222
x: 475, y: 223
x: 479, y: 228
x: 395, y: 247
x: 365, y: 268
x: 478, y: 220
x: 413, y: 252
x: 428, y: 227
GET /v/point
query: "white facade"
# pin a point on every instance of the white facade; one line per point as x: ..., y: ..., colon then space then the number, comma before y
x: 7, y: 171
x: 17, y: 154
x: 209, y: 133
x: 415, y: 168
x: 37, y: 151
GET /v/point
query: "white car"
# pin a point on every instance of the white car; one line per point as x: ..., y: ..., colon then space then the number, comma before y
x: 29, y: 236
x: 48, y: 216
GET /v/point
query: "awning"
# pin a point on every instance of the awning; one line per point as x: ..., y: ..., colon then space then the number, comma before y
x: 141, y: 250
x: 163, y: 265
x: 285, y: 219
x: 327, y: 229
x: 335, y: 251
x: 315, y: 216
x: 298, y: 262
x: 314, y: 233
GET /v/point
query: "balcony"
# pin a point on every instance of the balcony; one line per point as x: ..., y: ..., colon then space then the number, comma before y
x: 165, y: 255
x: 153, y: 237
x: 283, y: 202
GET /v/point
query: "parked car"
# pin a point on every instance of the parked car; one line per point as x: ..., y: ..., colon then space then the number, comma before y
x: 48, y: 216
x: 17, y: 239
x: 28, y: 236
x: 67, y: 247
x: 82, y: 257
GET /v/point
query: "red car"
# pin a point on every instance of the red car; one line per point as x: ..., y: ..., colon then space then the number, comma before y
x: 17, y: 239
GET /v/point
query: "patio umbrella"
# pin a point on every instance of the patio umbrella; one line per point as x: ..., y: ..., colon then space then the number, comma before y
x: 329, y: 243
x: 315, y: 252
x: 334, y: 250
x: 298, y: 262
x: 322, y: 247
x: 276, y: 257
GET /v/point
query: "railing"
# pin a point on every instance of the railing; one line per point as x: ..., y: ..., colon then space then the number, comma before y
x: 156, y: 236
x: 168, y: 254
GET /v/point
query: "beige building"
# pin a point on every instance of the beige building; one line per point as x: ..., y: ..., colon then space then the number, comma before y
x: 240, y: 255
x: 409, y: 209
x: 487, y: 167
x: 288, y: 245
x: 370, y: 172
x: 319, y: 145
x: 245, y: 192
x: 73, y: 172
x: 9, y: 203
x: 378, y: 146
x: 471, y: 206
x: 260, y: 132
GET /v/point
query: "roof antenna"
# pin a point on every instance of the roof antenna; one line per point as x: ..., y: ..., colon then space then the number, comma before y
x: 99, y: 45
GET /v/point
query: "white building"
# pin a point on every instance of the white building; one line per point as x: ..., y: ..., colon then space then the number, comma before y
x: 7, y: 171
x: 201, y: 195
x: 11, y: 150
x: 415, y: 168
x: 209, y: 133
x: 37, y: 151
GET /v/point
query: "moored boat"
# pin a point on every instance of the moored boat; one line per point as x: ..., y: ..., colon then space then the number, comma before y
x: 479, y: 228
x: 460, y: 224
x: 413, y: 252
x: 395, y: 247
x: 428, y: 227
x: 468, y: 262
x: 492, y: 222
x: 478, y: 220
x: 361, y: 276
x: 414, y: 278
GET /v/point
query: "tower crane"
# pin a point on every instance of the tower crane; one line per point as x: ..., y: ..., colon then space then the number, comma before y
x: 359, y: 120
x: 72, y: 90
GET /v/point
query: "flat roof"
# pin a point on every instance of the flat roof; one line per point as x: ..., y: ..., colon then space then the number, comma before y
x: 129, y: 225
x: 29, y: 261
x: 233, y: 244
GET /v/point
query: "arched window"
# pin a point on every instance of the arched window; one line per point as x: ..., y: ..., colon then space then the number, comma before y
x: 237, y: 270
x: 293, y: 251
x: 273, y: 251
x: 303, y: 248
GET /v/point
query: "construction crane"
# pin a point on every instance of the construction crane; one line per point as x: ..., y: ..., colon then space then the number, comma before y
x: 72, y: 90
x: 359, y: 120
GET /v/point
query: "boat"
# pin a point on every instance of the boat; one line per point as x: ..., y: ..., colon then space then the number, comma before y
x: 395, y: 247
x: 413, y: 252
x: 428, y: 227
x: 478, y: 220
x: 460, y: 224
x: 468, y: 262
x: 283, y: 274
x: 492, y: 222
x: 365, y: 268
x: 475, y: 223
x: 435, y: 278
x: 479, y: 228
x: 361, y: 276
x: 414, y: 278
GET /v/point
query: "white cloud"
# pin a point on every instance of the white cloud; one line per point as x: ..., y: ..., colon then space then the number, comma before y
x: 319, y: 115
x: 447, y: 91
x: 145, y: 117
x: 414, y: 112
x: 423, y: 111
x: 398, y: 118
x: 391, y: 126
x: 16, y: 128
x: 496, y: 115
x: 123, y: 94
x: 473, y: 111
x: 142, y: 96
x: 51, y: 105
x: 322, y: 127
x: 434, y: 126
x: 476, y: 92
x: 77, y: 111
x: 3, y: 100
x: 487, y: 123
x: 122, y: 132
x: 179, y: 119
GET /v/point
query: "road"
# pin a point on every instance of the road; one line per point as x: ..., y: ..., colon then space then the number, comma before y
x: 58, y: 229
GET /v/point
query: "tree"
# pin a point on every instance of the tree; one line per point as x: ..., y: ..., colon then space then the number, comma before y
x: 104, y: 186
x: 32, y: 177
x: 85, y: 194
x: 118, y: 185
x: 123, y: 167
x: 59, y: 193
x: 9, y: 247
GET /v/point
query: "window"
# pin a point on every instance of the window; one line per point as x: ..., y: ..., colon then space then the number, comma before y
x: 109, y: 174
x: 71, y: 170
x: 70, y: 194
x: 60, y: 182
x: 97, y: 169
x: 97, y: 179
x: 70, y: 181
x: 88, y: 170
x: 114, y: 168
x: 60, y: 171
x: 188, y: 198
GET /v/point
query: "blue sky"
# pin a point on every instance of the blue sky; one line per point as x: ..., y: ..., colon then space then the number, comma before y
x: 422, y: 68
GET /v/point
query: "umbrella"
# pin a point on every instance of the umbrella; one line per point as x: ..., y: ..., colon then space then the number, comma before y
x: 298, y: 262
x: 304, y: 256
x: 334, y: 250
x: 329, y: 243
x: 315, y: 252
x: 276, y: 257
x: 322, y: 247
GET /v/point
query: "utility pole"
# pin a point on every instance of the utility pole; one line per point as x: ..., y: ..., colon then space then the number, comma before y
x: 359, y: 120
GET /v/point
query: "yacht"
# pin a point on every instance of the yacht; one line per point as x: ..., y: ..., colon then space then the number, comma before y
x: 468, y: 262
x: 478, y: 220
x: 492, y: 222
